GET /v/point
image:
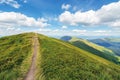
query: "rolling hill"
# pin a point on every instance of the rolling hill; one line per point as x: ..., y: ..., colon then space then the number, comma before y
x: 93, y: 48
x: 63, y: 61
x: 55, y: 60
x: 111, y: 43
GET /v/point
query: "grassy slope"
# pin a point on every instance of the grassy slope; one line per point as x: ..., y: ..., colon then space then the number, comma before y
x: 57, y: 60
x: 95, y: 49
x: 100, y: 48
x: 15, y: 54
x: 110, y: 43
x: 62, y: 61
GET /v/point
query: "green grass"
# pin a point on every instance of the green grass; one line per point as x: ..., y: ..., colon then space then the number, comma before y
x: 56, y: 60
x: 39, y: 71
x: 62, y: 61
x: 15, y: 56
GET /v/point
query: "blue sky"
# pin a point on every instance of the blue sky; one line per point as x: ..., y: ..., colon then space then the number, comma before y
x: 60, y: 17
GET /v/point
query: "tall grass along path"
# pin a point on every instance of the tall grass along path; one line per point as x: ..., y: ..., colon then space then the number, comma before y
x: 31, y: 73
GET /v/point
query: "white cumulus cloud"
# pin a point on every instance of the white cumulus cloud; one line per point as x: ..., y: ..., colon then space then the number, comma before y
x: 107, y: 15
x: 12, y: 3
x: 65, y: 6
x: 13, y: 19
x: 25, y: 1
x: 79, y: 31
x: 64, y: 27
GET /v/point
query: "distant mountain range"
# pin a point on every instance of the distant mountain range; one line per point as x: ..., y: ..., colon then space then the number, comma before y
x: 91, y: 37
x: 111, y: 43
x: 97, y: 47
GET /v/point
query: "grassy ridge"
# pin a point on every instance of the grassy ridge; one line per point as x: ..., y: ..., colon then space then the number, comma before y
x: 62, y: 61
x: 15, y: 54
x: 56, y: 60
x: 95, y: 49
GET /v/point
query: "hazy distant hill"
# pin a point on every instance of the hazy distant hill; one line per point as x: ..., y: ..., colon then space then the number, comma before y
x: 93, y: 48
x: 56, y: 60
x: 111, y: 43
x: 66, y: 38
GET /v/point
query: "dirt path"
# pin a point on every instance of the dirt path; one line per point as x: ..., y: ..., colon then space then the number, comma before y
x: 31, y: 73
